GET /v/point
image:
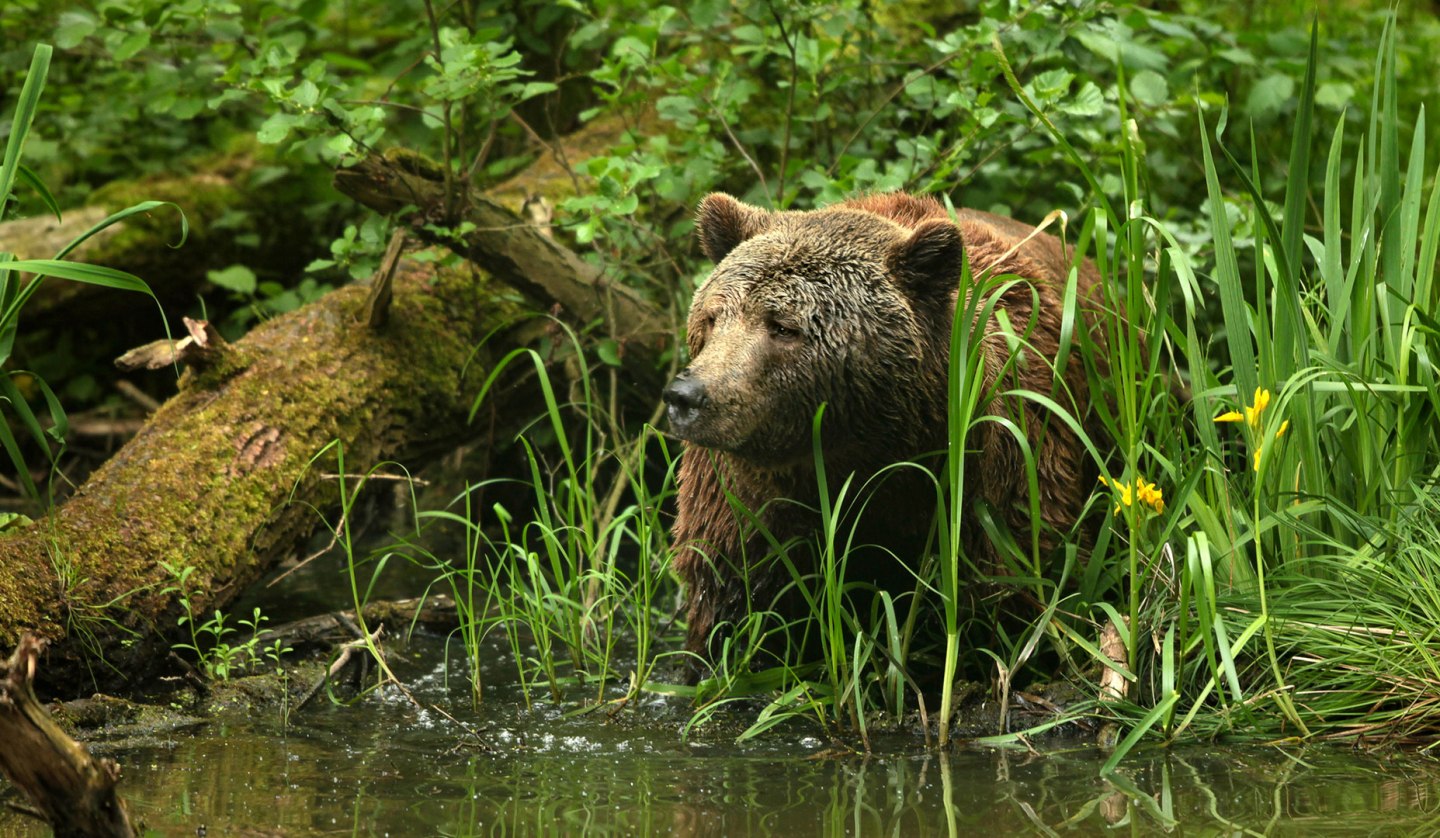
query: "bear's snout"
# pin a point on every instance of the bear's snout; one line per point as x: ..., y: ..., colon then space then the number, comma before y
x: 685, y: 396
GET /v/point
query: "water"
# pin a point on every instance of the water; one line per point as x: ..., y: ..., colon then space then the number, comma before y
x: 383, y: 766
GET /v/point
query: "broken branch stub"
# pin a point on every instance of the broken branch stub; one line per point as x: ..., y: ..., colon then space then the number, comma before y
x: 510, y: 248
x: 71, y: 790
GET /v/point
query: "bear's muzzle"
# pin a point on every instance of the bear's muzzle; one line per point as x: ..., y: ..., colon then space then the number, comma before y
x: 685, y: 397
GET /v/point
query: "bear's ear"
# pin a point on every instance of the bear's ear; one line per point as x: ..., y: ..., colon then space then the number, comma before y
x: 929, y: 261
x: 723, y: 222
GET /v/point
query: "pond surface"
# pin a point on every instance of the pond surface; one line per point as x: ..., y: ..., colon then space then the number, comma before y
x: 384, y: 766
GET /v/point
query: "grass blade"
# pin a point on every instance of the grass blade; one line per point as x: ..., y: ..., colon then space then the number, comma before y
x: 1227, y: 275
x: 24, y: 116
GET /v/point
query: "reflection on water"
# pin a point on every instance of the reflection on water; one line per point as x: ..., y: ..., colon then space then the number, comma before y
x: 385, y: 767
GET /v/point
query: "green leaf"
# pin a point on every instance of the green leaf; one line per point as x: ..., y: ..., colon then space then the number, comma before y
x: 39, y: 186
x: 117, y: 217
x: 609, y: 352
x: 13, y: 521
x: 10, y: 393
x: 132, y: 44
x: 1089, y: 101
x: 1048, y: 84
x: 1227, y: 273
x: 76, y: 271
x: 1149, y: 88
x: 1120, y: 47
x: 1270, y: 94
x: 306, y: 94
x: 17, y: 457
x: 1138, y: 732
x: 237, y: 278
x: 1334, y: 95
x: 276, y: 128
x: 535, y: 88
x: 677, y: 109
x: 74, y: 27
x: 59, y: 422
x: 24, y: 115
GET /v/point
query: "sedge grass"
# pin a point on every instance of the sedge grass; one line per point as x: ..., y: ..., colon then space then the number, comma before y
x: 1276, y: 525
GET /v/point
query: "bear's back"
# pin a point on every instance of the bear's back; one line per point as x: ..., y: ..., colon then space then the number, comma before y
x: 992, y: 242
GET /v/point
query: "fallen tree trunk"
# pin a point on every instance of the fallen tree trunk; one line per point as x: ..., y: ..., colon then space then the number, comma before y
x: 223, y: 478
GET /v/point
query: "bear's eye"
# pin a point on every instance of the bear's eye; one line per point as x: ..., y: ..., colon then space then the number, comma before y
x: 782, y: 331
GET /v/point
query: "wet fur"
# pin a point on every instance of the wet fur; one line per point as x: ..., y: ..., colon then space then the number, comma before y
x: 871, y: 287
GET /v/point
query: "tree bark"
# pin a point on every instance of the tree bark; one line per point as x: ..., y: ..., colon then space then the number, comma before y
x: 73, y: 791
x: 510, y: 248
x: 225, y: 478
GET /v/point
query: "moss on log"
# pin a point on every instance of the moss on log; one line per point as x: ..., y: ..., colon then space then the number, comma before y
x: 221, y: 478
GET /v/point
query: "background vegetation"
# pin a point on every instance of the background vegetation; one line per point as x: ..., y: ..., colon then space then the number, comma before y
x: 1264, y: 206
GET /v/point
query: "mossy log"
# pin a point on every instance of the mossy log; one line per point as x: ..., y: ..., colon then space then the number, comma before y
x: 225, y: 479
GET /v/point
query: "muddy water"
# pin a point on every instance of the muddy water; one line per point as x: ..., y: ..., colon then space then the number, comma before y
x: 383, y: 766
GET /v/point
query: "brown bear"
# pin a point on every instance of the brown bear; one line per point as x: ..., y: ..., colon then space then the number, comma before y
x: 852, y: 306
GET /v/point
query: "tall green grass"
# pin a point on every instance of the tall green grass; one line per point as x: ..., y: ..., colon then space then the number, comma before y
x: 1280, y: 517
x: 1271, y: 575
x: 14, y: 295
x: 575, y: 582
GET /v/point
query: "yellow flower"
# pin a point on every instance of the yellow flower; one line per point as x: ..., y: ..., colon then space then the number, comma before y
x: 1147, y: 493
x: 1262, y: 401
x: 1261, y: 447
x: 1252, y: 414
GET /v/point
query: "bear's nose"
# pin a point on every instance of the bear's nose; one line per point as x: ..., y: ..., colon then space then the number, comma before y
x: 684, y: 396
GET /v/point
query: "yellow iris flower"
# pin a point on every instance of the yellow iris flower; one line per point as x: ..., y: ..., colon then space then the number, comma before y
x: 1253, y: 416
x: 1147, y: 494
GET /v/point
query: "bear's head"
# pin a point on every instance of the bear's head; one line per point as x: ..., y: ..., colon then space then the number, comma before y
x: 840, y: 306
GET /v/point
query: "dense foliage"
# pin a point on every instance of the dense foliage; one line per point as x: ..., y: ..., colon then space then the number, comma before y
x: 1259, y: 201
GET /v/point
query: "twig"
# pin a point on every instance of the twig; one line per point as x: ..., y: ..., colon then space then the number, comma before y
x: 789, y: 104
x: 755, y: 167
x: 135, y: 394
x: 334, y: 539
x: 480, y: 743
